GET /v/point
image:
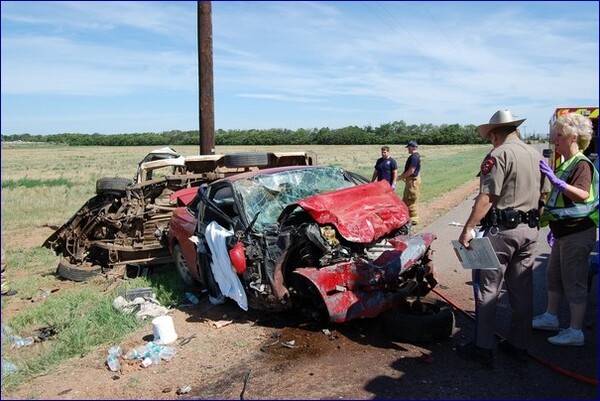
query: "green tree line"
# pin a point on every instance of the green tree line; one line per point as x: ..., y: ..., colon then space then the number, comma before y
x: 394, y: 133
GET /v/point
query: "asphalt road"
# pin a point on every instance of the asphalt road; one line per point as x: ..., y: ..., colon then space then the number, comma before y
x: 565, y: 366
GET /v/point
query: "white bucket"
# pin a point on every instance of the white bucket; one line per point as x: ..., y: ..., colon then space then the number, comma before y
x: 164, y: 330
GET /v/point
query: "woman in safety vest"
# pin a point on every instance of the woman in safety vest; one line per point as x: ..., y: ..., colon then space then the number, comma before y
x: 572, y: 212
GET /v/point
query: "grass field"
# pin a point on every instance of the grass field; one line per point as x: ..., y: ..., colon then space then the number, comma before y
x: 44, y: 186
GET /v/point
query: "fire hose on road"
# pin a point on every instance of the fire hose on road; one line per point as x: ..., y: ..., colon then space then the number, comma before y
x: 576, y: 376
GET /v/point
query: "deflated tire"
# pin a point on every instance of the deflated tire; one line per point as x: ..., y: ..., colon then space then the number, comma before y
x: 82, y: 272
x: 431, y: 321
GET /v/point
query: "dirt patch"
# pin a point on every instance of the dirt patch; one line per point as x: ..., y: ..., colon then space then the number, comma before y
x: 225, y: 353
x: 279, y: 355
x: 430, y: 211
x: 34, y: 238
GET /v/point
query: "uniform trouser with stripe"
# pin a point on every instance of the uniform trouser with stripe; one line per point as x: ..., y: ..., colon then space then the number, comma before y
x: 412, y: 193
x: 515, y: 249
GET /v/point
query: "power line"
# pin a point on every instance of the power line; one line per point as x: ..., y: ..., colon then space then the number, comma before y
x: 440, y: 27
x: 394, y: 23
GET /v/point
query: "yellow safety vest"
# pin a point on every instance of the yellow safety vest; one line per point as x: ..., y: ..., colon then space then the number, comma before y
x: 555, y: 206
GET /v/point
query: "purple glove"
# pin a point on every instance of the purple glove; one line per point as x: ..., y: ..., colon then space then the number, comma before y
x: 554, y: 180
x: 550, y: 238
x: 394, y: 186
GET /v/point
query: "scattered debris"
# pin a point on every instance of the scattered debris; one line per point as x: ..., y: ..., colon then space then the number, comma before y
x: 142, y: 307
x: 112, y: 284
x: 41, y: 295
x: 184, y: 389
x: 186, y: 340
x: 264, y: 347
x: 20, y: 342
x: 246, y: 377
x: 112, y: 359
x: 45, y: 333
x: 221, y: 323
x: 290, y: 344
x: 8, y: 367
x: 326, y: 332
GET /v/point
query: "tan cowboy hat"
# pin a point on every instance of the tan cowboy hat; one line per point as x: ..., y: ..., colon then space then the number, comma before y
x: 501, y: 118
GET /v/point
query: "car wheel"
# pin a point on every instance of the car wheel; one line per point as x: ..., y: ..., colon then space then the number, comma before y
x: 182, y: 266
x: 112, y: 184
x: 247, y: 159
x: 78, y: 273
x: 427, y: 321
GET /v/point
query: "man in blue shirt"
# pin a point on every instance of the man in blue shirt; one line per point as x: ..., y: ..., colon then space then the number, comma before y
x: 386, y: 168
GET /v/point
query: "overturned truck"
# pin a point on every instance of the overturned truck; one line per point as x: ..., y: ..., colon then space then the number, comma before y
x: 122, y: 228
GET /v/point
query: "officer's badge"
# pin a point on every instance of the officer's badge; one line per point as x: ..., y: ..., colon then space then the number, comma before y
x: 487, y: 165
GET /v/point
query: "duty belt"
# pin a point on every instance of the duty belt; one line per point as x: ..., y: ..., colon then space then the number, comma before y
x: 510, y: 218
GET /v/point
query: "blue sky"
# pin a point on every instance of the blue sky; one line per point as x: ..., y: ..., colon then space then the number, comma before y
x: 126, y: 67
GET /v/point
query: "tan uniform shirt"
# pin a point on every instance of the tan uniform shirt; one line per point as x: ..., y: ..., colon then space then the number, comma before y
x: 512, y: 172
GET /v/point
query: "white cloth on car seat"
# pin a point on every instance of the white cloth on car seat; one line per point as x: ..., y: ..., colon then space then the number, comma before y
x: 225, y: 275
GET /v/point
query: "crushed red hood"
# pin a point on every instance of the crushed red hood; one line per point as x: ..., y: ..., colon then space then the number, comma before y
x: 361, y: 214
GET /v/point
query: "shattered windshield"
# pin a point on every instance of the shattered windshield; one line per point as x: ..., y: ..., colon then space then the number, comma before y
x: 270, y: 194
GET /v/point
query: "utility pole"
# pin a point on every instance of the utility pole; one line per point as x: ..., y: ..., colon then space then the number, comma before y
x: 205, y: 79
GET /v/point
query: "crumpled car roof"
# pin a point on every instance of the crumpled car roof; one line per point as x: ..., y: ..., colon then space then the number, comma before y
x: 362, y: 214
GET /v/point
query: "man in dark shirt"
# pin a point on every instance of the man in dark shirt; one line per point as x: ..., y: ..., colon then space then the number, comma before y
x: 386, y: 168
x: 412, y: 178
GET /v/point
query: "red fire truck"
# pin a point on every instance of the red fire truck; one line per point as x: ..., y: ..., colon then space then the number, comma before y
x: 592, y: 151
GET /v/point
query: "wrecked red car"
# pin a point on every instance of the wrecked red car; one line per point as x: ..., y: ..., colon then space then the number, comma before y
x: 301, y: 237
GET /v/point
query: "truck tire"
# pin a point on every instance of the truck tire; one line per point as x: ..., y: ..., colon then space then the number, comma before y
x: 248, y: 159
x: 77, y: 273
x: 433, y: 322
x: 112, y: 185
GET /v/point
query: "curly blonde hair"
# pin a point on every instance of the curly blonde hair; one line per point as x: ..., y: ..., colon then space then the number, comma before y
x: 575, y: 125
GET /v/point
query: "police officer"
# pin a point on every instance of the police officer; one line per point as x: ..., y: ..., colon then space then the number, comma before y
x: 511, y: 190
